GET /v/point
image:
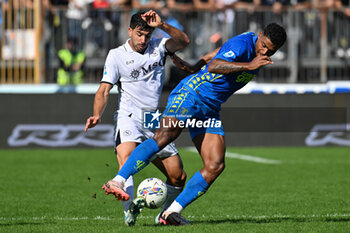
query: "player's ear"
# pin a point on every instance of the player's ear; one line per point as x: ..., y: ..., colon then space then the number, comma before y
x: 130, y: 31
x: 260, y: 34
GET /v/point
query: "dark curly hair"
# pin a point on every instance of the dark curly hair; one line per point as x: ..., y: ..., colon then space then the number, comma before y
x: 137, y: 21
x: 276, y: 34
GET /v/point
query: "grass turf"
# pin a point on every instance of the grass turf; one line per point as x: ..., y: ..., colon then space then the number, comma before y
x: 59, y: 191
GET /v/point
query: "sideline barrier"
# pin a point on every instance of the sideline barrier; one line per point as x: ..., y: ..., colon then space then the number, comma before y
x: 331, y: 87
x: 57, y: 120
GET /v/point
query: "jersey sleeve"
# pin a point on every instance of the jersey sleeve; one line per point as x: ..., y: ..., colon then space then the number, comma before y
x: 160, y: 43
x: 110, y: 71
x: 232, y: 50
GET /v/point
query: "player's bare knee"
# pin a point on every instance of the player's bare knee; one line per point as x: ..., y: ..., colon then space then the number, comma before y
x: 214, y: 168
x: 177, y: 179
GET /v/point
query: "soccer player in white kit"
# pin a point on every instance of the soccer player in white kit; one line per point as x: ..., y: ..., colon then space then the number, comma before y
x: 137, y: 68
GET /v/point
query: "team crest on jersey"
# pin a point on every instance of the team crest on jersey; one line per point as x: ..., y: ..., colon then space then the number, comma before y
x: 154, y: 54
x: 127, y: 133
x: 229, y: 54
x: 135, y: 74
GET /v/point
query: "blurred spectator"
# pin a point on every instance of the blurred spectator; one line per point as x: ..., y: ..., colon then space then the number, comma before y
x: 277, y: 7
x: 180, y: 5
x: 166, y: 15
x: 323, y: 4
x: 147, y: 4
x: 77, y: 14
x: 100, y: 25
x: 204, y: 9
x: 59, y: 2
x: 49, y: 13
x: 71, y: 64
x: 343, y: 35
x: 244, y: 15
x: 300, y: 4
x: 206, y: 5
x: 117, y: 7
x: 119, y: 4
x: 101, y: 10
x: 3, y: 8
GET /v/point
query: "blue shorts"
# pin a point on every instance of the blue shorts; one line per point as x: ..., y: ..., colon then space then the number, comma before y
x: 186, y: 107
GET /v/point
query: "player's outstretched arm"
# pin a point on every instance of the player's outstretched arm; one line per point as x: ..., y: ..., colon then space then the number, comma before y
x: 219, y: 66
x: 183, y: 65
x: 100, y: 103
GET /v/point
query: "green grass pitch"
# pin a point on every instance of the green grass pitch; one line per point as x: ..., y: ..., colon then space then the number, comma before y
x: 306, y: 190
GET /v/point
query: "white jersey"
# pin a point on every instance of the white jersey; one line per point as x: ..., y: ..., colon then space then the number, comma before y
x: 140, y: 77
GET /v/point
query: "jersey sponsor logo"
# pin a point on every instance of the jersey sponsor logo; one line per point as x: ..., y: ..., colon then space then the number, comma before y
x: 229, y: 54
x: 244, y: 77
x: 130, y: 62
x: 135, y: 74
x: 148, y: 69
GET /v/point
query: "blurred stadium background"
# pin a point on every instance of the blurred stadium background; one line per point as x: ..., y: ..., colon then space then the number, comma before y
x: 312, y: 70
x: 273, y: 181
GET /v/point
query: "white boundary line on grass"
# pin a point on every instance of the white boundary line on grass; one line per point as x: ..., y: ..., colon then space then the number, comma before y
x: 241, y: 157
x: 233, y: 217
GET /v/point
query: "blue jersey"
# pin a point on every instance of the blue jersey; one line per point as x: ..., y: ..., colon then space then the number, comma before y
x: 215, y: 89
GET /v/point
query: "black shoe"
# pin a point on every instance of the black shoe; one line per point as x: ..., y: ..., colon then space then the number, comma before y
x: 174, y: 219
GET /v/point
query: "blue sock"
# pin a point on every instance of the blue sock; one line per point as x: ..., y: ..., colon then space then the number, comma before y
x: 195, y: 188
x: 139, y: 158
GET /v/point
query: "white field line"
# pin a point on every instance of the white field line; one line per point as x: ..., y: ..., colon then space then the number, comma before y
x: 233, y: 217
x: 242, y: 157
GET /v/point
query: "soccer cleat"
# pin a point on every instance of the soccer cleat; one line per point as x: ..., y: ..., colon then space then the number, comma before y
x: 156, y: 220
x: 173, y: 219
x: 115, y: 188
x: 135, y: 208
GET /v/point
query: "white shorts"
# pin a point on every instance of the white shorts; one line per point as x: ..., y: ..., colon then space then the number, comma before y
x: 129, y: 129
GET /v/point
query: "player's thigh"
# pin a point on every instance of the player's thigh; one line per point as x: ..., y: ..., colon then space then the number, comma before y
x: 127, y: 136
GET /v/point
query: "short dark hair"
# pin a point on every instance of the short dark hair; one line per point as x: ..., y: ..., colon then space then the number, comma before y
x: 137, y: 21
x: 276, y: 34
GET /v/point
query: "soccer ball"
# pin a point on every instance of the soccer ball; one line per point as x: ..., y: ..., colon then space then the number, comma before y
x: 154, y: 191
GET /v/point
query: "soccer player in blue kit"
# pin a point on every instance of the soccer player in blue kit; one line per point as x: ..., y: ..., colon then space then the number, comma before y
x: 199, y: 96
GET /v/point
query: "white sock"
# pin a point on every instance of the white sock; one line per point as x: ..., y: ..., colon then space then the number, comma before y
x: 175, y: 207
x: 119, y: 179
x: 129, y: 189
x: 173, y: 192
